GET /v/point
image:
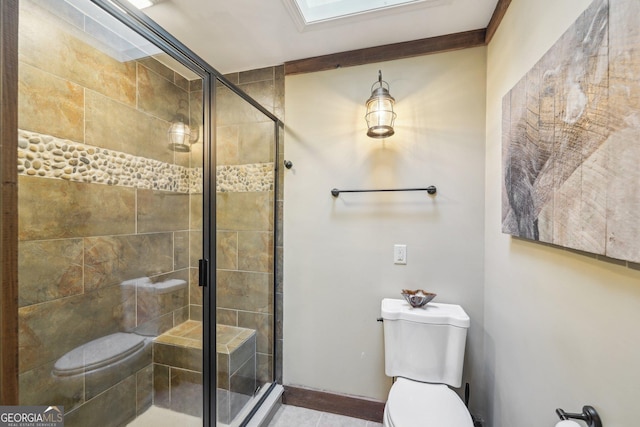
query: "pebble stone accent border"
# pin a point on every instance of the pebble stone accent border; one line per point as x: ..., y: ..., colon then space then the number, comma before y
x: 50, y: 157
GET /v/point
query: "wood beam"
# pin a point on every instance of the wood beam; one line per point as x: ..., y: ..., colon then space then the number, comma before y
x: 8, y: 202
x: 496, y: 18
x: 387, y: 52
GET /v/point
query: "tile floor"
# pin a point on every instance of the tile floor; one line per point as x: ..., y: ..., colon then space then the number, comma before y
x: 293, y: 416
x: 287, y: 416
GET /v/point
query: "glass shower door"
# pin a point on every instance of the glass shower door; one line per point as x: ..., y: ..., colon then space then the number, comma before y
x: 245, y: 227
x: 110, y: 199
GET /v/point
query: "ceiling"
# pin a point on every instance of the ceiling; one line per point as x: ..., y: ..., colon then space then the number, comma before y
x: 240, y: 35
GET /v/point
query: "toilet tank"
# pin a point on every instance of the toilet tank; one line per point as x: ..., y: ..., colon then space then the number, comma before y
x: 424, y: 344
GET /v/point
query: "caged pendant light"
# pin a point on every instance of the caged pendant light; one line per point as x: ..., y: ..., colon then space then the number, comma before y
x: 179, y: 134
x: 380, y: 115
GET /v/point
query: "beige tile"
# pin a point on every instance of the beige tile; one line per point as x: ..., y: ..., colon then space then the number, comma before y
x: 116, y: 126
x: 111, y: 260
x: 257, y: 75
x: 223, y: 370
x: 194, y: 334
x: 256, y: 143
x: 226, y: 317
x: 195, y: 248
x: 227, y: 148
x: 227, y: 250
x: 96, y: 411
x: 78, y: 210
x: 263, y: 325
x: 232, y: 77
x: 196, y: 201
x: 195, y: 312
x: 179, y: 341
x: 195, y: 111
x: 278, y: 108
x: 232, y: 109
x: 264, y: 368
x: 244, y: 291
x: 186, y: 392
x: 177, y: 356
x: 50, y: 105
x: 152, y: 305
x: 51, y: 329
x: 180, y: 81
x: 160, y: 97
x: 263, y: 92
x: 102, y: 379
x: 59, y: 49
x: 49, y: 269
x: 195, y: 85
x: 225, y: 334
x: 162, y: 211
x: 195, y: 291
x: 255, y: 251
x: 159, y: 68
x: 39, y: 387
x: 181, y: 249
x: 245, y: 211
x: 161, y: 396
x: 144, y: 389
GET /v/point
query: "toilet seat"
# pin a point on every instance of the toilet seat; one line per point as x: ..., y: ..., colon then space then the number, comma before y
x: 99, y: 353
x: 416, y: 404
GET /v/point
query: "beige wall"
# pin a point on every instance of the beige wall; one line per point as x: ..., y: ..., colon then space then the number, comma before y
x: 560, y: 326
x: 338, y: 253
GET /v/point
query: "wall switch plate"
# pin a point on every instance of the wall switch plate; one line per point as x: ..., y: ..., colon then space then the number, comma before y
x: 399, y: 254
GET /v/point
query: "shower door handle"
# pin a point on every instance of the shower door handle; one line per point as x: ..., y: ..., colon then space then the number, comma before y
x: 203, y: 268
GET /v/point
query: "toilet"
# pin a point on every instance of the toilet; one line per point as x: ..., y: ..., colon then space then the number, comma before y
x: 424, y: 350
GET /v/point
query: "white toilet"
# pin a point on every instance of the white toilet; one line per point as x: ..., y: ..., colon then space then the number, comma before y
x: 424, y: 349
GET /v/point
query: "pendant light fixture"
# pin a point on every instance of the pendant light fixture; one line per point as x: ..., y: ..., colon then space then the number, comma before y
x: 380, y: 115
x: 179, y: 133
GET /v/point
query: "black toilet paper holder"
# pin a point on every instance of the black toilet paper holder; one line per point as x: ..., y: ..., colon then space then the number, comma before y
x: 588, y: 415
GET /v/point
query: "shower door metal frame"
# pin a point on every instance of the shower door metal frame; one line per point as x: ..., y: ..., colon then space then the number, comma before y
x: 144, y: 26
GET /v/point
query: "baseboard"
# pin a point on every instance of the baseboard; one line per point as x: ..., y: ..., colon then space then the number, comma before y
x: 365, y: 409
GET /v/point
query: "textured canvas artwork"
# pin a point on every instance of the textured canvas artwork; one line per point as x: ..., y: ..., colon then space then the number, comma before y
x: 571, y: 138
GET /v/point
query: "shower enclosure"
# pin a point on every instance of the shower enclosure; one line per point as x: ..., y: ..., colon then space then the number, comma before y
x: 146, y: 224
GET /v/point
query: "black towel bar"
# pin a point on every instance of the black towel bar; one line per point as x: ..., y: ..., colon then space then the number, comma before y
x: 431, y: 190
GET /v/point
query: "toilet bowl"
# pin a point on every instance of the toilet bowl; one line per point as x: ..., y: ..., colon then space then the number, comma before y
x: 104, y: 361
x: 121, y: 349
x: 415, y: 404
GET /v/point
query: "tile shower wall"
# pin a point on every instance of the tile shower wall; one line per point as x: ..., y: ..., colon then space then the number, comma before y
x: 245, y: 258
x: 101, y: 200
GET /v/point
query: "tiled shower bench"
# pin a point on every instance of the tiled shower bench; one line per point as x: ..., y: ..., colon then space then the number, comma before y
x: 177, y: 369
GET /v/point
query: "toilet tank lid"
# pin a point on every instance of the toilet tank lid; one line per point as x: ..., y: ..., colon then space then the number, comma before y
x: 433, y: 313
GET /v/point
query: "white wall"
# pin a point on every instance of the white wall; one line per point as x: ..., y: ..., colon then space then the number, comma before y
x: 561, y: 327
x: 338, y: 252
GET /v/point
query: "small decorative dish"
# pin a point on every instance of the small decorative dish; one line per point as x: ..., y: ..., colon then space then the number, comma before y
x: 417, y: 298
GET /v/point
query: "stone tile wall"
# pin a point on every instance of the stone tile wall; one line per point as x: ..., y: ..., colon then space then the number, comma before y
x: 102, y: 200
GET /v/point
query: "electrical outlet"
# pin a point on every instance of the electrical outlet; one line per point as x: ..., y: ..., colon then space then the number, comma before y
x: 399, y: 254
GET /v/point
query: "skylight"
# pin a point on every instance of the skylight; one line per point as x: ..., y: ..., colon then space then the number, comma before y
x: 311, y: 13
x: 322, y: 10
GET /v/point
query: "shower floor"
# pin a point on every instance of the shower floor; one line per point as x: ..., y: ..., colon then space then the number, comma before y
x: 158, y: 417
x: 235, y: 364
